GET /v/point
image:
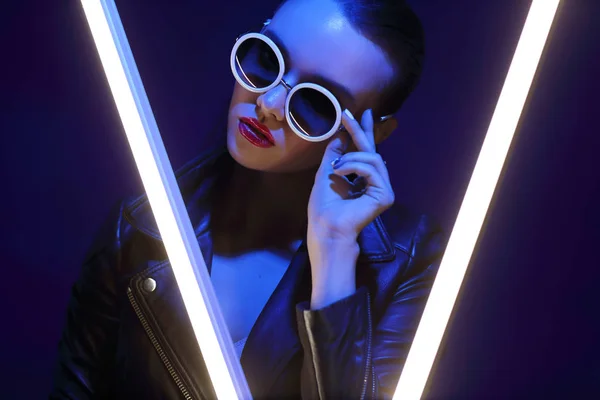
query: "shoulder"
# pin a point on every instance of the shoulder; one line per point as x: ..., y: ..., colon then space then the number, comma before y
x: 189, y: 179
x: 417, y: 235
x: 130, y: 234
x: 195, y: 181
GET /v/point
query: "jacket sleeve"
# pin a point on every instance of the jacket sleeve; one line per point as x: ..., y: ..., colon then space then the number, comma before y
x: 345, y: 355
x: 88, y: 343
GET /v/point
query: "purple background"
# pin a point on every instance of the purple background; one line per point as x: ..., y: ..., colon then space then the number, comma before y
x: 527, y: 322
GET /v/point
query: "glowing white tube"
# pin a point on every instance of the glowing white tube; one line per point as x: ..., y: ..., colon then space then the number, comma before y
x: 476, y: 201
x: 165, y: 199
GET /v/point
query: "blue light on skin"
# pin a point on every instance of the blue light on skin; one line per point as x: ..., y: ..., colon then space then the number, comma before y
x: 318, y: 40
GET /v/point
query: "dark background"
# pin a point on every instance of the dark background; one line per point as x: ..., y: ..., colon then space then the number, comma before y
x: 527, y: 323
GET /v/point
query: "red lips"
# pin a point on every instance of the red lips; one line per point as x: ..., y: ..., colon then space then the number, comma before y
x: 257, y: 127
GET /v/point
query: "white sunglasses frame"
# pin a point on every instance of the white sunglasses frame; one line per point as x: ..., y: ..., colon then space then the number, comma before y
x: 337, y: 125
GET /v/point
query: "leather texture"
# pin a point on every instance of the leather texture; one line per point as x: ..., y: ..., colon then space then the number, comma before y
x: 123, y: 341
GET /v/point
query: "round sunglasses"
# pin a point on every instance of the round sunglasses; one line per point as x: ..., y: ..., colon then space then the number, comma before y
x: 312, y: 111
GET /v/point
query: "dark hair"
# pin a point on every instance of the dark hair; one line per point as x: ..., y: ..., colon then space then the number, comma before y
x: 396, y: 29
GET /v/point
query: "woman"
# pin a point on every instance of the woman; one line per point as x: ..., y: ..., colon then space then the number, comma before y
x: 321, y: 290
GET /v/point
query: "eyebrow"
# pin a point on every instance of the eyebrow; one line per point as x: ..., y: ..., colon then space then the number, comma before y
x: 338, y: 90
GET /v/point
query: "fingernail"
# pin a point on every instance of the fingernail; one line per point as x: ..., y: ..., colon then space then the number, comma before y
x: 349, y: 114
x: 335, y: 163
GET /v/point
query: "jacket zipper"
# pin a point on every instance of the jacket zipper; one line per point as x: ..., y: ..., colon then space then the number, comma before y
x: 157, y: 346
x: 369, y: 339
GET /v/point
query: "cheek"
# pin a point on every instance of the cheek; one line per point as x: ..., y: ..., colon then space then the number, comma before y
x: 302, y: 154
x: 241, y: 95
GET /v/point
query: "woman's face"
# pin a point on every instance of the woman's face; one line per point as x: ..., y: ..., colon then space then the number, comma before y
x: 319, y: 41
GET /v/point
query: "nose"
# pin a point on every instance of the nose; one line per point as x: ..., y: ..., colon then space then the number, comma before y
x: 272, y: 103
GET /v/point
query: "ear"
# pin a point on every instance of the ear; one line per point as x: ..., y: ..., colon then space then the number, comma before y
x: 384, y: 129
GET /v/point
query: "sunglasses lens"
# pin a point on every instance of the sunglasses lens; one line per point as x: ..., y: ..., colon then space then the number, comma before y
x: 312, y: 112
x: 256, y: 63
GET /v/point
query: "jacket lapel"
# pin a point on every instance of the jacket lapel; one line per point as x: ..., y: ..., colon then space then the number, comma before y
x: 273, y: 340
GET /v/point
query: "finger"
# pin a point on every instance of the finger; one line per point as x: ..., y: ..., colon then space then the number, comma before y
x: 373, y: 159
x: 367, y: 171
x: 367, y: 125
x: 359, y: 138
x: 335, y: 149
x: 376, y: 190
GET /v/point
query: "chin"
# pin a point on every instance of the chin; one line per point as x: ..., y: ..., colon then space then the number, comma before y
x: 245, y: 153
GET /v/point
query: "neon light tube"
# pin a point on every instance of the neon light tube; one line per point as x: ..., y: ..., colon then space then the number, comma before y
x: 476, y: 201
x: 165, y: 199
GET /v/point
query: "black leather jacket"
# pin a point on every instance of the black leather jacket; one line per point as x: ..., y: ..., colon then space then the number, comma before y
x: 122, y: 340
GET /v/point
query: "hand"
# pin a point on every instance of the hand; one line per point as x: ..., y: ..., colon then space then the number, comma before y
x: 339, y: 210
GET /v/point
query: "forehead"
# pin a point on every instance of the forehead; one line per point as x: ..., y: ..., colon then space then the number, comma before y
x: 321, y: 41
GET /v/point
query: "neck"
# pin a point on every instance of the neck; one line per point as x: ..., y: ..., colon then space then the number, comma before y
x: 259, y: 210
